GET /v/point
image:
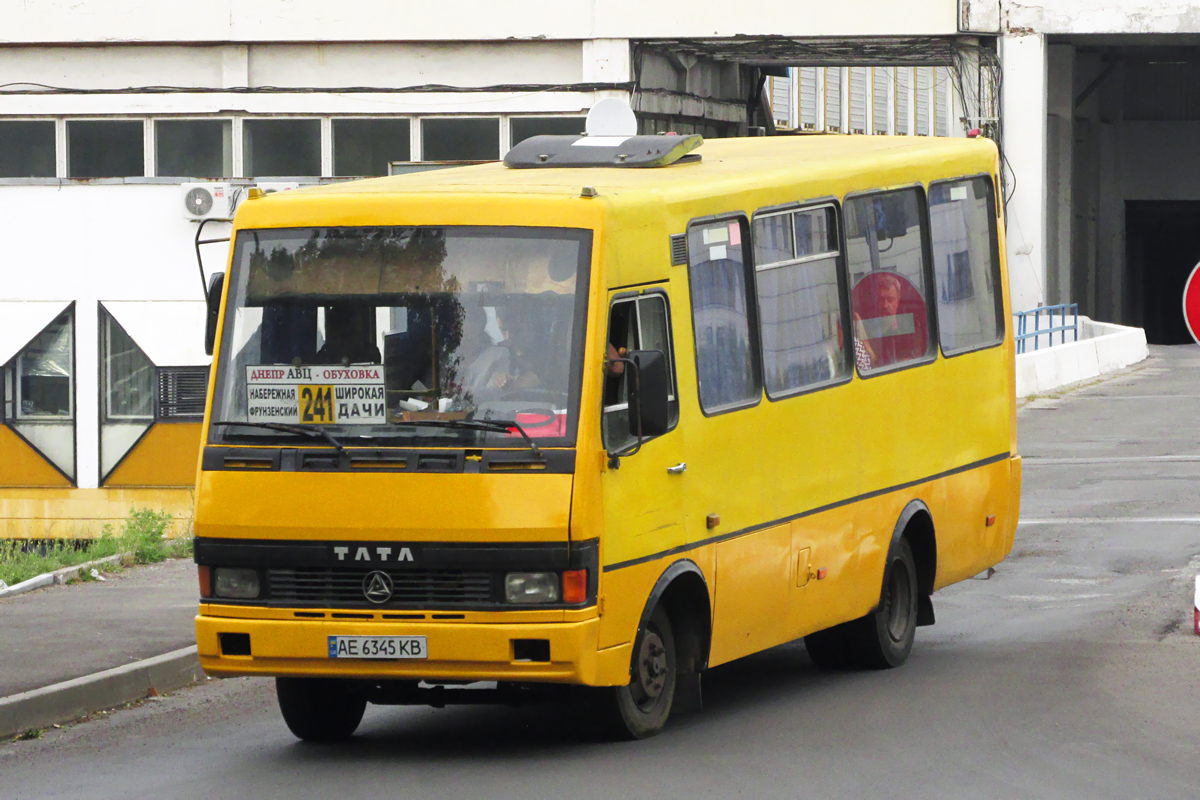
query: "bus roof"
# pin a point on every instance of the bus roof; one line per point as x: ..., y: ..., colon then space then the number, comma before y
x: 726, y: 165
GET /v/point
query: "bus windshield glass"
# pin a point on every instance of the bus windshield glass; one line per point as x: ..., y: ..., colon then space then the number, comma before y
x: 403, y: 335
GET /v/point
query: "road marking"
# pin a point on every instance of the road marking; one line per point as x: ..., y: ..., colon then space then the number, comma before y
x: 1045, y: 461
x: 1112, y: 520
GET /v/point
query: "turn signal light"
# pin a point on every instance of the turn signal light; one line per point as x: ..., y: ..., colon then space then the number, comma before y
x: 574, y: 586
x: 205, y: 574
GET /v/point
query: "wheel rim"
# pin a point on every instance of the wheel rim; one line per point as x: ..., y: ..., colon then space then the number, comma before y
x: 652, y: 670
x: 899, y: 605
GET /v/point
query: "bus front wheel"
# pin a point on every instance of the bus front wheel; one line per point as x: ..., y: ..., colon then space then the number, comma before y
x: 641, y: 708
x: 320, y: 709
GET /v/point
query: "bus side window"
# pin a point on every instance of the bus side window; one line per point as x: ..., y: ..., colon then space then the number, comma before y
x: 966, y: 264
x: 885, y: 255
x: 634, y: 323
x: 800, y: 299
x: 726, y: 357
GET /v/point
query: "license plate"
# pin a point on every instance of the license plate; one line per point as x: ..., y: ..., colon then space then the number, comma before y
x: 385, y: 647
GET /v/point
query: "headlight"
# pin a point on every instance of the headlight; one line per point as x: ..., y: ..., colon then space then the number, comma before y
x: 531, y: 587
x: 240, y: 582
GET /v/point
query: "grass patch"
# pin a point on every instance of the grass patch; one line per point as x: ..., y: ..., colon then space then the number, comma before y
x: 142, y: 534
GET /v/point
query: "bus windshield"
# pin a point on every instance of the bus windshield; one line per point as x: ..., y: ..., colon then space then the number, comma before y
x: 389, y: 333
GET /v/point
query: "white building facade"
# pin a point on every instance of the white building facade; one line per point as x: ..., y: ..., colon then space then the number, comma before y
x: 109, y: 109
x: 1101, y: 107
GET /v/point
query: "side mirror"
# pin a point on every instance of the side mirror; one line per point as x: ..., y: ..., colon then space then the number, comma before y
x: 215, y: 285
x: 649, y: 399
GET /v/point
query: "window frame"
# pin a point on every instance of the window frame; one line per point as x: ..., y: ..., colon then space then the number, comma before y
x: 66, y: 144
x: 240, y: 161
x: 503, y: 133
x: 926, y: 273
x: 53, y: 121
x: 18, y: 415
x: 107, y: 319
x: 843, y: 277
x: 234, y: 145
x: 635, y: 296
x: 755, y: 355
x: 997, y: 276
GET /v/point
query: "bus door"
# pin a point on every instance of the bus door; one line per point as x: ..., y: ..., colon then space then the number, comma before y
x: 643, y: 494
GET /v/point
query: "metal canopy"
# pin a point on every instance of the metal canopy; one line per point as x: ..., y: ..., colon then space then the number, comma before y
x: 761, y: 51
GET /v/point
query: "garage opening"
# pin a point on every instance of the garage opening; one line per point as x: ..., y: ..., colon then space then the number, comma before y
x: 1162, y: 246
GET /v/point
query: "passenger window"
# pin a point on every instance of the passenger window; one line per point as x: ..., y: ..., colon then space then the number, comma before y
x: 800, y: 299
x: 885, y: 255
x: 726, y: 366
x: 966, y: 264
x: 635, y: 323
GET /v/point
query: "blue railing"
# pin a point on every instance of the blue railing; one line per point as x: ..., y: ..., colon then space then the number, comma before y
x: 1047, y: 313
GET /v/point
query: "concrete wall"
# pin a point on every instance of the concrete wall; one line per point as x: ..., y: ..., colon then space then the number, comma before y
x: 1101, y: 16
x: 1105, y: 348
x: 220, y: 21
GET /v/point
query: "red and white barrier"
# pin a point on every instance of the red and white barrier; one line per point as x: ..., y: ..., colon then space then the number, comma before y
x: 1196, y: 607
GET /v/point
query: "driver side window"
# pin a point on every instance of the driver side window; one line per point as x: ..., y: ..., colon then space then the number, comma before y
x: 634, y: 323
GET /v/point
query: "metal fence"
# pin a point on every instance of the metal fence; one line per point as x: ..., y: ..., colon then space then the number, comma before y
x: 1046, y: 315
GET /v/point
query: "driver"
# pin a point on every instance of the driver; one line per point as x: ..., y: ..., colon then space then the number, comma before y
x: 507, y: 364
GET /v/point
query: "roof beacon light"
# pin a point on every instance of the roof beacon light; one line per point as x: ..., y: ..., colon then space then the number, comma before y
x: 611, y: 140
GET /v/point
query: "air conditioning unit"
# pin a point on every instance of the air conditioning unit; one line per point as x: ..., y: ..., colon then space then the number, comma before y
x: 206, y: 201
x: 277, y: 186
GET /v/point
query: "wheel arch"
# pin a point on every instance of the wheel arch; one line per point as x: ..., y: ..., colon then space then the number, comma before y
x: 916, y: 525
x: 683, y: 591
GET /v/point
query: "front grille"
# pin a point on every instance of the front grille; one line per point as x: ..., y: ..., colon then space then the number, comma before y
x: 411, y: 587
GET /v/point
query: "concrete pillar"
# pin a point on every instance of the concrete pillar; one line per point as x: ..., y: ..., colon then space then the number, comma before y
x: 1024, y: 119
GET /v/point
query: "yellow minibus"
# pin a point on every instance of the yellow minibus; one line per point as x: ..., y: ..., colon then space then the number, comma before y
x: 606, y: 415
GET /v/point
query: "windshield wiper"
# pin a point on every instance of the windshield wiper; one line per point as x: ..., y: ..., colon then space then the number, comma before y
x: 493, y: 425
x: 315, y: 432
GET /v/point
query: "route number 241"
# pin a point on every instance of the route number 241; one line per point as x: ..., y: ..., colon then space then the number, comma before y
x: 316, y: 404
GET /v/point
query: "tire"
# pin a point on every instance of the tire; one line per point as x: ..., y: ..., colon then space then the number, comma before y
x: 641, y: 708
x: 832, y: 650
x: 320, y: 709
x: 885, y: 636
x: 882, y: 639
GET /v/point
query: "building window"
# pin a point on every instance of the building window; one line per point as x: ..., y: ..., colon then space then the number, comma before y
x: 365, y: 147
x: 726, y: 366
x: 800, y: 299
x: 281, y: 147
x: 885, y: 255
x: 193, y: 148
x: 524, y: 127
x: 27, y: 149
x: 44, y: 371
x: 966, y: 264
x: 128, y: 376
x: 460, y: 139
x: 105, y: 149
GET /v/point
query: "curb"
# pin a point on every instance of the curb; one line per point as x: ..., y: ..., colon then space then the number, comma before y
x: 58, y: 576
x: 78, y: 697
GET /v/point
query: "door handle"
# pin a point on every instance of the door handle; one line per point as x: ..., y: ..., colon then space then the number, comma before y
x: 678, y: 469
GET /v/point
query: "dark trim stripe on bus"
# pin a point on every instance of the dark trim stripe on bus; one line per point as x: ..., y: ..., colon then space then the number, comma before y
x: 828, y: 507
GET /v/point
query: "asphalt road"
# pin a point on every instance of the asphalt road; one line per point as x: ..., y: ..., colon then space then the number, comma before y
x: 1071, y: 673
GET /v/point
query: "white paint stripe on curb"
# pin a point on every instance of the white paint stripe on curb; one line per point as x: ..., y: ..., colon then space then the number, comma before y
x: 69, y: 700
x: 1111, y: 521
x: 59, y: 575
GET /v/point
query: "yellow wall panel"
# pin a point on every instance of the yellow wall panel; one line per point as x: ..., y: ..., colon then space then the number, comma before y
x: 34, y: 513
x: 165, y: 456
x: 21, y: 465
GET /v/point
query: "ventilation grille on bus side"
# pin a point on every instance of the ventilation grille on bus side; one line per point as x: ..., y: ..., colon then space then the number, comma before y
x: 678, y: 249
x: 181, y: 392
x: 426, y: 587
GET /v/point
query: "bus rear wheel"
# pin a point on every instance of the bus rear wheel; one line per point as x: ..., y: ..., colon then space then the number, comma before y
x: 882, y: 639
x: 320, y: 709
x: 641, y: 708
x: 886, y: 635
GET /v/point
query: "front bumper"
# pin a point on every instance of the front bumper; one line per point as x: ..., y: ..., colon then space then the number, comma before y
x: 468, y: 650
